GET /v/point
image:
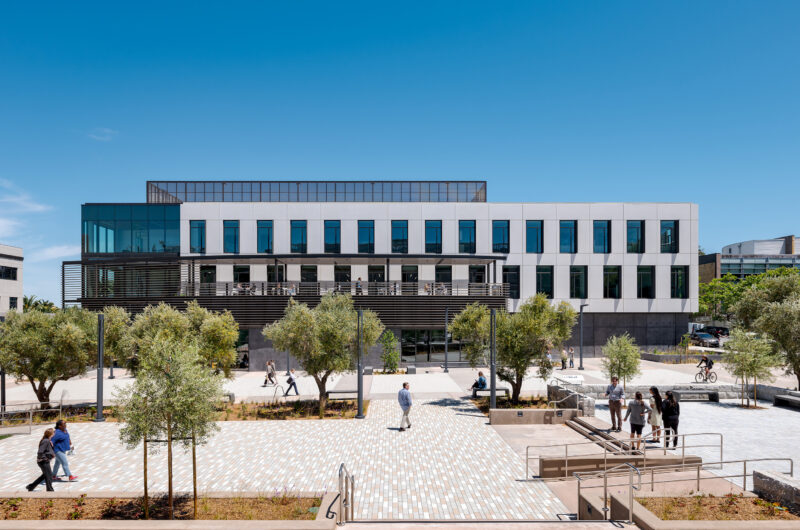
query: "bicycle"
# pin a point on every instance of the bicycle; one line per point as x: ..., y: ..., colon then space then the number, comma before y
x: 701, y: 377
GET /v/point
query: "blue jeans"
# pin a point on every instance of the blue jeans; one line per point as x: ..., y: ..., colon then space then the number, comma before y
x: 292, y: 385
x: 61, y: 459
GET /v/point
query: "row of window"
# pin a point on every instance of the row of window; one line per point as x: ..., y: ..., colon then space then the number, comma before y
x: 8, y: 273
x: 534, y: 240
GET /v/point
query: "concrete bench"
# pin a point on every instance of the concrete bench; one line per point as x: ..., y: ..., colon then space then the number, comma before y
x: 368, y: 370
x: 329, y: 392
x: 688, y: 395
x: 499, y: 390
x: 411, y: 369
x: 786, y: 400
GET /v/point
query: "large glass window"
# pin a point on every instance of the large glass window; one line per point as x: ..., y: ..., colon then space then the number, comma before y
x: 341, y: 273
x: 366, y: 237
x: 126, y: 228
x: 669, y: 237
x: 500, y: 236
x: 635, y: 237
x: 8, y: 273
x: 308, y: 273
x: 264, y: 237
x: 12, y: 302
x: 197, y: 237
x: 333, y: 237
x: 230, y: 237
x: 612, y: 281
x: 568, y: 237
x: 577, y: 281
x: 533, y: 237
x: 466, y: 237
x: 544, y: 280
x: 602, y: 237
x: 511, y: 277
x: 400, y: 237
x: 679, y: 282
x: 275, y: 273
x: 443, y: 274
x: 646, y: 281
x: 241, y: 273
x: 433, y: 237
x: 299, y: 237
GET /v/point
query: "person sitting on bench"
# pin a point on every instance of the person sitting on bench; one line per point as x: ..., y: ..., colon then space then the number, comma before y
x: 479, y: 384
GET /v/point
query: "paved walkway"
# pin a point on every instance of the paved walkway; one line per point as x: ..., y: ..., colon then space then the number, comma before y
x: 450, y: 465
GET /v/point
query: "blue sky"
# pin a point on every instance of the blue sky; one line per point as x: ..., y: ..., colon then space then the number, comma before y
x: 548, y: 101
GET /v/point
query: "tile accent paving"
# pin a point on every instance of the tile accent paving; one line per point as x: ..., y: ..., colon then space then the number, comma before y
x: 450, y: 465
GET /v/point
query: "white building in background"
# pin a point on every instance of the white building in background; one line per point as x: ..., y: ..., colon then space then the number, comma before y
x: 10, y: 279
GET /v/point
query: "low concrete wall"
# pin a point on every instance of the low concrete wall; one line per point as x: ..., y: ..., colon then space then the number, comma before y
x: 531, y: 416
x: 598, y: 391
x: 571, y: 399
x: 555, y: 466
x: 590, y: 507
x: 675, y: 358
x: 777, y: 487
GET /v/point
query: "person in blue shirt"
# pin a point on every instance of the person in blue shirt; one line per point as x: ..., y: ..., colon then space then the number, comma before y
x: 404, y: 398
x: 479, y: 384
x: 62, y: 445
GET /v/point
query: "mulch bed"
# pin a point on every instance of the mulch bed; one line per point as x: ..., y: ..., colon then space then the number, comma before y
x: 710, y: 508
x: 290, y: 410
x: 235, y: 508
x: 532, y: 402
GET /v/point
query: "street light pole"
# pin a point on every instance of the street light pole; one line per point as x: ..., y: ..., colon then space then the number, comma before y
x: 287, y: 362
x: 360, y: 414
x: 2, y: 390
x: 581, y: 346
x: 446, y: 318
x: 493, y: 362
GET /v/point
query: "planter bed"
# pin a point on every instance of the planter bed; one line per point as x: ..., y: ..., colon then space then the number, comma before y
x: 711, y: 508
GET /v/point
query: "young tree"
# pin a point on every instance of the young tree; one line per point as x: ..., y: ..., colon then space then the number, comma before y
x: 44, y: 348
x: 522, y: 338
x: 390, y: 355
x: 749, y: 356
x: 324, y: 340
x: 173, y: 398
x: 116, y: 334
x: 621, y: 357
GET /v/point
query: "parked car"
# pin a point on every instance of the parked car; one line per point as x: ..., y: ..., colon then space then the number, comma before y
x: 717, y: 331
x: 707, y: 340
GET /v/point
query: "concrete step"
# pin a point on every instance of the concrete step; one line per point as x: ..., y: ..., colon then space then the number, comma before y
x: 599, y: 428
x: 503, y: 525
x: 794, y: 393
x: 787, y: 400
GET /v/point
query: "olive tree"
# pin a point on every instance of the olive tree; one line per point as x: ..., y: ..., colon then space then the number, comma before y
x: 44, y: 348
x: 390, y: 354
x: 172, y: 398
x: 324, y: 340
x: 117, y: 343
x: 750, y: 356
x: 621, y: 358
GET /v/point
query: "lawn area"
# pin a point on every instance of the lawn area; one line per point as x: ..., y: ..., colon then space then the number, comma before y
x: 710, y: 508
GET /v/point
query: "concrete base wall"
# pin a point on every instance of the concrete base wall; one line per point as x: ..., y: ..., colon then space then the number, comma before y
x: 650, y: 330
x: 555, y: 466
x: 777, y: 487
x: 531, y: 416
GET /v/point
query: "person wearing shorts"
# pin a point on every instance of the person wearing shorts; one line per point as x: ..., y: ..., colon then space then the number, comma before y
x: 637, y: 412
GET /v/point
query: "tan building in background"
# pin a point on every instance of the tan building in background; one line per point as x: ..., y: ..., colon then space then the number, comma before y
x: 750, y: 257
x: 10, y: 279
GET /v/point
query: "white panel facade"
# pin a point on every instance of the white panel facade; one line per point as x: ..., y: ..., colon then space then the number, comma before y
x: 11, y: 279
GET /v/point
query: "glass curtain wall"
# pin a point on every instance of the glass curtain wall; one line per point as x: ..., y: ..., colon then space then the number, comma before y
x: 130, y: 228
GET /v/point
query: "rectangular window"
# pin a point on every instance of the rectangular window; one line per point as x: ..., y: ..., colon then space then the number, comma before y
x: 443, y: 274
x: 272, y: 276
x: 679, y: 282
x: 612, y: 281
x: 208, y: 273
x: 308, y: 273
x: 12, y: 302
x: 333, y: 237
x: 577, y: 281
x: 197, y: 237
x: 568, y: 237
x: 399, y: 237
x: 264, y: 237
x: 533, y: 237
x: 500, y: 236
x: 635, y: 237
x: 433, y: 237
x: 8, y: 273
x: 544, y: 280
x: 646, y: 282
x: 241, y: 273
x: 466, y: 237
x: 375, y: 274
x: 299, y: 237
x: 341, y: 273
x: 230, y: 237
x: 669, y: 237
x: 511, y: 277
x: 602, y: 237
x: 366, y: 237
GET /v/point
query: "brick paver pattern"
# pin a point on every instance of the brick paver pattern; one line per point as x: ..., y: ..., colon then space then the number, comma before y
x: 450, y: 465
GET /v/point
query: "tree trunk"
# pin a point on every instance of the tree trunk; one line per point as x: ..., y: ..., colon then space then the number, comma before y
x: 755, y: 392
x: 797, y: 375
x: 323, y: 393
x: 169, y: 464
x: 516, y: 388
x: 194, y: 473
x: 41, y: 391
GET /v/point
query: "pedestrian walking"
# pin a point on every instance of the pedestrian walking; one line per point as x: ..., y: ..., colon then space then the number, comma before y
x: 62, y: 444
x: 615, y: 395
x: 637, y: 409
x: 571, y: 357
x: 670, y: 412
x: 656, y: 420
x: 43, y: 457
x: 269, y: 376
x: 292, y: 380
x: 564, y: 358
x: 404, y: 398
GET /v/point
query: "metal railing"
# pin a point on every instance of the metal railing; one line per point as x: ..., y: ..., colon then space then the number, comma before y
x: 670, y: 468
x: 597, y: 474
x: 275, y: 392
x: 616, y: 450
x: 31, y: 407
x: 24, y: 428
x: 354, y: 288
x: 347, y: 484
x: 579, y: 400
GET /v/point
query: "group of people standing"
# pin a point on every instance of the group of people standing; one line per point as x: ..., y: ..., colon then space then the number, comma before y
x: 660, y: 414
x: 54, y: 445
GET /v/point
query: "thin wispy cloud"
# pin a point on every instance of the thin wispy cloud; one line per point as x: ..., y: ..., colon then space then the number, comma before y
x: 15, y: 200
x: 102, y: 134
x: 8, y: 227
x: 54, y: 252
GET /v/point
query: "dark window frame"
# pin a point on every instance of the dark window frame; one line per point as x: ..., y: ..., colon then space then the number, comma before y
x: 679, y: 282
x: 301, y: 247
x: 235, y: 227
x: 268, y: 226
x: 613, y: 292
x: 511, y: 276
x: 332, y: 226
x: 669, y: 236
x: 197, y: 227
x: 366, y: 228
x: 468, y: 246
x: 434, y: 247
x: 571, y: 230
x: 504, y: 227
x: 601, y: 228
x: 541, y: 272
x: 574, y: 271
x: 399, y: 244
x: 639, y: 246
x: 536, y: 246
x: 640, y: 287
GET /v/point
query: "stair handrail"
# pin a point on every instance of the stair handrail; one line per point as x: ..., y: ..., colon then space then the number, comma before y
x: 347, y: 484
x: 596, y: 474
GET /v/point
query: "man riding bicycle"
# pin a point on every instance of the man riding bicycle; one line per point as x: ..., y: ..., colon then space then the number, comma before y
x: 708, y: 363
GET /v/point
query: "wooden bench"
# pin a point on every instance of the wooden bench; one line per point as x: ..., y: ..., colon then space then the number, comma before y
x: 680, y: 395
x: 787, y: 400
x: 504, y: 390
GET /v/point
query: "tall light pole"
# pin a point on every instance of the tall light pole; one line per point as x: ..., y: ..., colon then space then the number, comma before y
x: 581, y: 346
x: 360, y: 414
x: 493, y: 362
x: 2, y: 390
x: 446, y: 319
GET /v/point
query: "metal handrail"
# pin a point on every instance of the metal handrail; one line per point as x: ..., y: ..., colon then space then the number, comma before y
x: 275, y: 391
x: 604, y: 474
x: 29, y: 424
x: 617, y: 452
x: 581, y: 398
x: 347, y: 484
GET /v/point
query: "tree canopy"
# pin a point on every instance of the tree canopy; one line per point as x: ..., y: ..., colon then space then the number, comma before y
x: 32, y: 303
x: 749, y: 356
x: 621, y: 357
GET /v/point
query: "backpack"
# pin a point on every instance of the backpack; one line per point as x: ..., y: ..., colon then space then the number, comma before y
x: 710, y: 364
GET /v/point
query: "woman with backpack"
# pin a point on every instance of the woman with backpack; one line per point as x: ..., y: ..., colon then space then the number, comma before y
x: 637, y: 409
x: 656, y: 420
x: 670, y: 411
x: 43, y: 457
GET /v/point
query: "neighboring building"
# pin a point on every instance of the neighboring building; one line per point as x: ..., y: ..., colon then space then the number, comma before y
x: 10, y: 279
x: 409, y: 250
x: 751, y: 257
